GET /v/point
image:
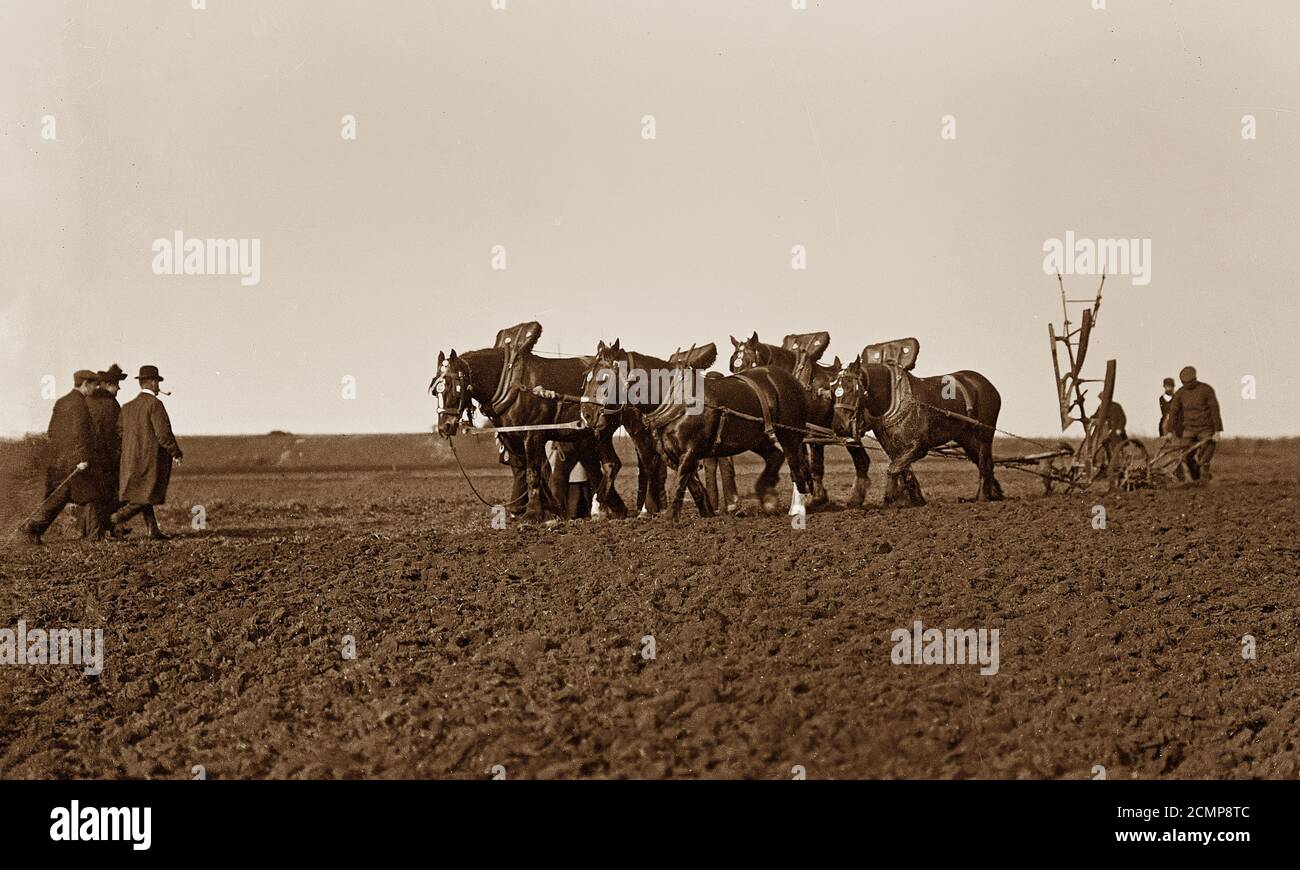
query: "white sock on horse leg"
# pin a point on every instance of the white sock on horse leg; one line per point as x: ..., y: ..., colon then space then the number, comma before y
x: 796, y: 502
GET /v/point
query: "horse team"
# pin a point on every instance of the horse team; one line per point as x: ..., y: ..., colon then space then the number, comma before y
x: 779, y: 401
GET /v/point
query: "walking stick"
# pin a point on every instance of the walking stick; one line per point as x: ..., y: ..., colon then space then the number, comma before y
x: 81, y: 466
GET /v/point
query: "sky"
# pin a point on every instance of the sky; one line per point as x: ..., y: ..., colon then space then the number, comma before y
x: 524, y: 128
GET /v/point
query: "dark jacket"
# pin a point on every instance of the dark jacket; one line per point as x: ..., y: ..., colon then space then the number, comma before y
x: 104, y: 412
x: 1194, y: 411
x: 72, y: 440
x: 148, y: 448
x: 1165, y: 402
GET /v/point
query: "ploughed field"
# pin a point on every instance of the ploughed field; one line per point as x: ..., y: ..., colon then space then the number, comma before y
x: 524, y: 650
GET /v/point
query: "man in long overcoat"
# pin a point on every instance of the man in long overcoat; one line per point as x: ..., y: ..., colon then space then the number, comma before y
x: 72, y: 475
x: 104, y: 412
x: 148, y: 448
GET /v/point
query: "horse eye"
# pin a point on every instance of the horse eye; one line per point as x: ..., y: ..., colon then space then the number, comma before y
x: 839, y: 391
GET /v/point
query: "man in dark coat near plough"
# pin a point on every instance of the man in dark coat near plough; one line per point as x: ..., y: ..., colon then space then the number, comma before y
x: 148, y: 448
x: 104, y: 413
x: 73, y: 475
x: 1194, y: 419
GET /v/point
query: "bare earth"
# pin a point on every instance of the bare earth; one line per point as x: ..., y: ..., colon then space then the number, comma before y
x: 522, y: 647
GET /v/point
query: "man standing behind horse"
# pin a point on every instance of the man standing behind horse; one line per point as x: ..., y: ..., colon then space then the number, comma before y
x: 148, y: 448
x: 1194, y: 418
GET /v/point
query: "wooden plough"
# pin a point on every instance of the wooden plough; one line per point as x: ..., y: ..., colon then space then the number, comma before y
x: 1106, y: 452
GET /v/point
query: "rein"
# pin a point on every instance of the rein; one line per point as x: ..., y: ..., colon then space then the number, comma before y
x: 452, y: 441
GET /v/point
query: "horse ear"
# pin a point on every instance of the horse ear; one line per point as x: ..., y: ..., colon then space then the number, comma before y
x: 734, y: 341
x: 452, y: 358
x: 600, y: 346
x: 615, y: 346
x: 837, y: 364
x: 754, y: 337
x: 441, y: 358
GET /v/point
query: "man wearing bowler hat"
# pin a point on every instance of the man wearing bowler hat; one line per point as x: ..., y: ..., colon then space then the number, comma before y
x: 104, y: 413
x: 73, y: 475
x: 148, y: 448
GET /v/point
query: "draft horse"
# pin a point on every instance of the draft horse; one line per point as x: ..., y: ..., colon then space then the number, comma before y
x: 763, y: 410
x: 911, y: 416
x: 514, y: 387
x: 816, y: 379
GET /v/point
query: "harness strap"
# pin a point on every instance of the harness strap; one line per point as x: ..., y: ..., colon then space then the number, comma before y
x: 768, y: 429
x: 900, y: 397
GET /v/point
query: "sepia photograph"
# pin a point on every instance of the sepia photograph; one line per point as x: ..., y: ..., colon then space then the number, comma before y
x: 893, y: 391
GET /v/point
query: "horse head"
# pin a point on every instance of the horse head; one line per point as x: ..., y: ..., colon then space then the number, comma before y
x: 849, y: 390
x: 749, y: 353
x: 451, y: 388
x: 601, y: 391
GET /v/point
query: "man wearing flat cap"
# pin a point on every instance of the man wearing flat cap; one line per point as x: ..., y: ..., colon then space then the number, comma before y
x: 73, y: 475
x: 148, y: 448
x: 1193, y: 418
x: 104, y: 412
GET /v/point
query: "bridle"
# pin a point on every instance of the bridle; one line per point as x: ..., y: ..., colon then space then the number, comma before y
x: 739, y: 359
x: 462, y: 393
x: 854, y: 410
x: 589, y: 381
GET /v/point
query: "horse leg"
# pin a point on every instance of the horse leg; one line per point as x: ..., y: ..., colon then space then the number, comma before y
x: 539, y: 494
x: 913, y: 488
x: 657, y: 493
x: 861, y: 465
x: 727, y: 471
x: 649, y: 466
x: 559, y: 481
x: 514, y: 457
x: 803, y: 493
x: 980, y: 452
x: 685, y: 475
x: 702, y: 503
x: 901, y: 479
x: 710, y: 469
x: 817, y: 470
x: 992, y: 489
x: 995, y: 488
x: 607, y: 496
x: 765, y: 486
x: 642, y: 481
